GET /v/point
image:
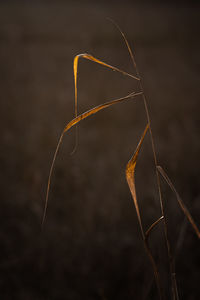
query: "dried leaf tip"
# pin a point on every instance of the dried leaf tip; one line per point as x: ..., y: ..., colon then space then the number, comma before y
x: 94, y: 59
x: 130, y: 172
x: 130, y: 168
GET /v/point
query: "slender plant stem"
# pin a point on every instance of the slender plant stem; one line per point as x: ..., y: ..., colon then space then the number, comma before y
x: 170, y: 257
x: 49, y: 178
x: 155, y: 269
x: 148, y: 250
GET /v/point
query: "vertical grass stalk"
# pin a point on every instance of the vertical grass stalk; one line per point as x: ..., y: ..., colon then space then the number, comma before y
x: 170, y: 258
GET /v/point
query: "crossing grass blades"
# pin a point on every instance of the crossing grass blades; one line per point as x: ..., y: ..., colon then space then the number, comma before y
x: 131, y: 166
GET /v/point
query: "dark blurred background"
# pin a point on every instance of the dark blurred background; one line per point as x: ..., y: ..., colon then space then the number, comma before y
x: 91, y: 245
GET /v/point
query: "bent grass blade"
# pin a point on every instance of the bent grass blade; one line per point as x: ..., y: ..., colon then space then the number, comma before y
x: 96, y: 60
x: 73, y: 122
x: 130, y: 177
x: 180, y: 201
x: 92, y: 58
x: 98, y: 108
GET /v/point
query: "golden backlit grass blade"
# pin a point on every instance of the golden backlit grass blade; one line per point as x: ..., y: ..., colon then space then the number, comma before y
x: 75, y: 65
x: 182, y: 205
x: 130, y: 177
x: 152, y: 226
x: 92, y: 58
x: 97, y: 109
x: 73, y: 122
x: 75, y: 82
x: 96, y: 60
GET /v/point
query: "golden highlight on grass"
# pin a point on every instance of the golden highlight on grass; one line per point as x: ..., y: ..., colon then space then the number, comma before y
x: 75, y: 67
x: 131, y: 165
x: 130, y: 177
x: 70, y: 125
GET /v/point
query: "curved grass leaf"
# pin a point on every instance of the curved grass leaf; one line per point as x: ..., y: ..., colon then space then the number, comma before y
x: 97, y: 109
x: 70, y: 125
x: 96, y: 60
x: 130, y: 177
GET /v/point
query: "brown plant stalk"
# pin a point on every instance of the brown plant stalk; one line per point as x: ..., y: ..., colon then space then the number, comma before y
x: 130, y: 168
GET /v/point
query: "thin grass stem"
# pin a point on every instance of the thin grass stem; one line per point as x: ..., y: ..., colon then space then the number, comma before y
x: 170, y: 258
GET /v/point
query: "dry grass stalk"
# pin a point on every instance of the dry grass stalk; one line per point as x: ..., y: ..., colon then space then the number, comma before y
x: 130, y: 168
x: 170, y: 257
x: 130, y: 177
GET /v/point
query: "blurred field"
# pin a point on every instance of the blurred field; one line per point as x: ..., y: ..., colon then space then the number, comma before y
x: 91, y: 247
